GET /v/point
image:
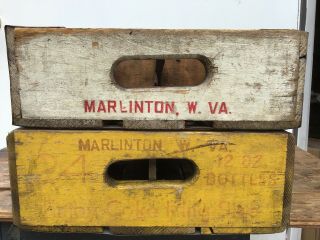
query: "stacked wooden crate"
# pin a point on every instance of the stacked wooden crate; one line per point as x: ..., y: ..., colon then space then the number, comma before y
x: 146, y: 131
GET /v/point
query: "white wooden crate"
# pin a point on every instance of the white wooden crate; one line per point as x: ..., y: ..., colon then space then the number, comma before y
x: 63, y: 77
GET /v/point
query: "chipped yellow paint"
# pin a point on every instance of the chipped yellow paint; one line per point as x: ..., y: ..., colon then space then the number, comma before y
x: 239, y: 183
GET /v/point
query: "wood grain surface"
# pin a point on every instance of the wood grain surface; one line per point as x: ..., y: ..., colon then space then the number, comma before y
x: 65, y: 178
x: 5, y: 193
x: 65, y: 78
x: 305, y: 210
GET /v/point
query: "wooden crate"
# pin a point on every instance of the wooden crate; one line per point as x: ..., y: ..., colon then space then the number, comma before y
x: 73, y: 78
x: 228, y: 182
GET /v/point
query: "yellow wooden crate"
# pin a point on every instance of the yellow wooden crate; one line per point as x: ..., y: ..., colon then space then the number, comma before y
x: 232, y: 182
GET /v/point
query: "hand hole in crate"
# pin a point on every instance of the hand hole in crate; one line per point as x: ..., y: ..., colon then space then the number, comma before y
x: 164, y: 71
x: 151, y: 170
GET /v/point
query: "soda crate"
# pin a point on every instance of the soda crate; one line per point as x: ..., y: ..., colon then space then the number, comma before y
x: 226, y: 182
x: 98, y: 78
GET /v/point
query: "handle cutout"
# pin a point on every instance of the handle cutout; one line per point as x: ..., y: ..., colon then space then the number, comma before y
x: 168, y: 71
x: 151, y: 170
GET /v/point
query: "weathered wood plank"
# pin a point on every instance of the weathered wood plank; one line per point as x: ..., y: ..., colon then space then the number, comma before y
x: 4, y: 171
x: 5, y: 193
x: 305, y: 211
x: 64, y: 77
x: 5, y: 206
x: 64, y: 178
